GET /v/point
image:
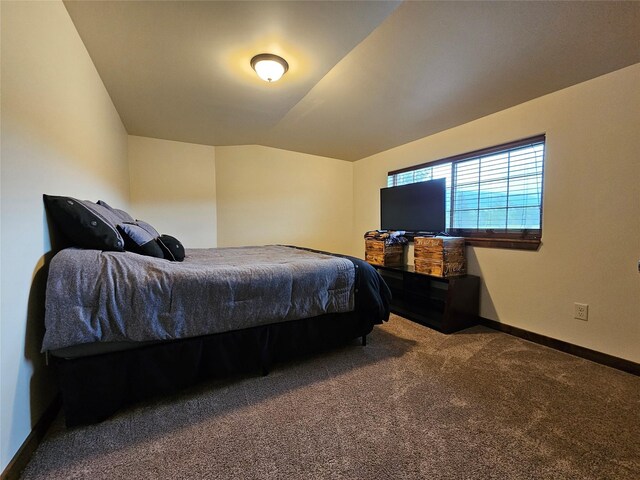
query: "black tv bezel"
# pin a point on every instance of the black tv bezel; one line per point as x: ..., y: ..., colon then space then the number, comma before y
x: 414, y: 232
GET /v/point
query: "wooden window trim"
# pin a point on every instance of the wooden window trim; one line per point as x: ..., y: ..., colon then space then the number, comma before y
x: 513, y: 244
x: 505, y: 241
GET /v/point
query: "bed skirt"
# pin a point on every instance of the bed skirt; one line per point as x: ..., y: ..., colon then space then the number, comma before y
x: 95, y: 387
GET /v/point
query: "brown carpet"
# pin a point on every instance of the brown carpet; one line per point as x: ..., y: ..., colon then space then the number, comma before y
x: 412, y: 404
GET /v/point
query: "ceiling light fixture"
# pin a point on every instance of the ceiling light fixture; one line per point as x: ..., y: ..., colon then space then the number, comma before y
x: 269, y: 67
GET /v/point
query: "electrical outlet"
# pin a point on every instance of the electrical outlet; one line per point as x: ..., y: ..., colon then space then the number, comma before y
x: 581, y: 311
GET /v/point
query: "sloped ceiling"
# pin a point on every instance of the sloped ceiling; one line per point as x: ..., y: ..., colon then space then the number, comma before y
x: 364, y: 76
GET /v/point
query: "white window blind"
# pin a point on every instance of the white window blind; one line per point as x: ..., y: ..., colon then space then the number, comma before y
x: 496, y: 190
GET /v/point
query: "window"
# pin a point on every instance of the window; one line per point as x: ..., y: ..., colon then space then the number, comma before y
x: 494, y: 195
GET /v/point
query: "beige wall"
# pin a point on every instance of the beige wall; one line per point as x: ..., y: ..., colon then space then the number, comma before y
x: 591, y: 224
x: 267, y: 196
x: 60, y: 135
x: 173, y: 187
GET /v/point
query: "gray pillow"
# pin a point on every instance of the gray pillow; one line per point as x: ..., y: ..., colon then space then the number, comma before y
x: 148, y: 227
x: 121, y: 214
x: 138, y: 240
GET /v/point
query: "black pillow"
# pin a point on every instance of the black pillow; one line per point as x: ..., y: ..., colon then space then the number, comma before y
x: 86, y: 224
x: 172, y: 248
x: 121, y: 214
x: 138, y: 240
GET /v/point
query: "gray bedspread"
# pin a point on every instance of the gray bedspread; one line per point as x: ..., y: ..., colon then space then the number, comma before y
x: 95, y: 296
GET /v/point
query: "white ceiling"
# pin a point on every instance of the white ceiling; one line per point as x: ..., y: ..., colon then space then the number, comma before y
x: 364, y: 76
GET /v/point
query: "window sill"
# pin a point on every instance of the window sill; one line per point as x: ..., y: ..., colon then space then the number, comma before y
x: 508, y: 243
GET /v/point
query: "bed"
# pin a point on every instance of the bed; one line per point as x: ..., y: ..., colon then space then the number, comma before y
x: 121, y: 327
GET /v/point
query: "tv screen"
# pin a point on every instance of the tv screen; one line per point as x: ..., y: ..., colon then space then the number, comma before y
x: 417, y: 207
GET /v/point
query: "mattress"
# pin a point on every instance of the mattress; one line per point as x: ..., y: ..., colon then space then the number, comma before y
x: 120, y: 299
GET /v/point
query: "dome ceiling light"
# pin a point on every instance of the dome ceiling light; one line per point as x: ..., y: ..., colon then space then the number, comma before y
x: 269, y: 67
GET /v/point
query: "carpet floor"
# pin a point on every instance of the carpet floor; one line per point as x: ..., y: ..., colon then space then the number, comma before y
x: 412, y: 404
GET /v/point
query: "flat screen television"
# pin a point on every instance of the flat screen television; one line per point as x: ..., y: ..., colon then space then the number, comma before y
x: 417, y: 207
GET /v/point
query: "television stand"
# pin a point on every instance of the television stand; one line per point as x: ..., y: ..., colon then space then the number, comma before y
x: 447, y: 304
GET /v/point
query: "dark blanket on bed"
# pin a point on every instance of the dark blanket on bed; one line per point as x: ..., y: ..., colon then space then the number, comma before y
x: 373, y: 296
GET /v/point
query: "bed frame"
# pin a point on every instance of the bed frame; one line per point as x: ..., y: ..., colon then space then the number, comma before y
x: 95, y: 387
